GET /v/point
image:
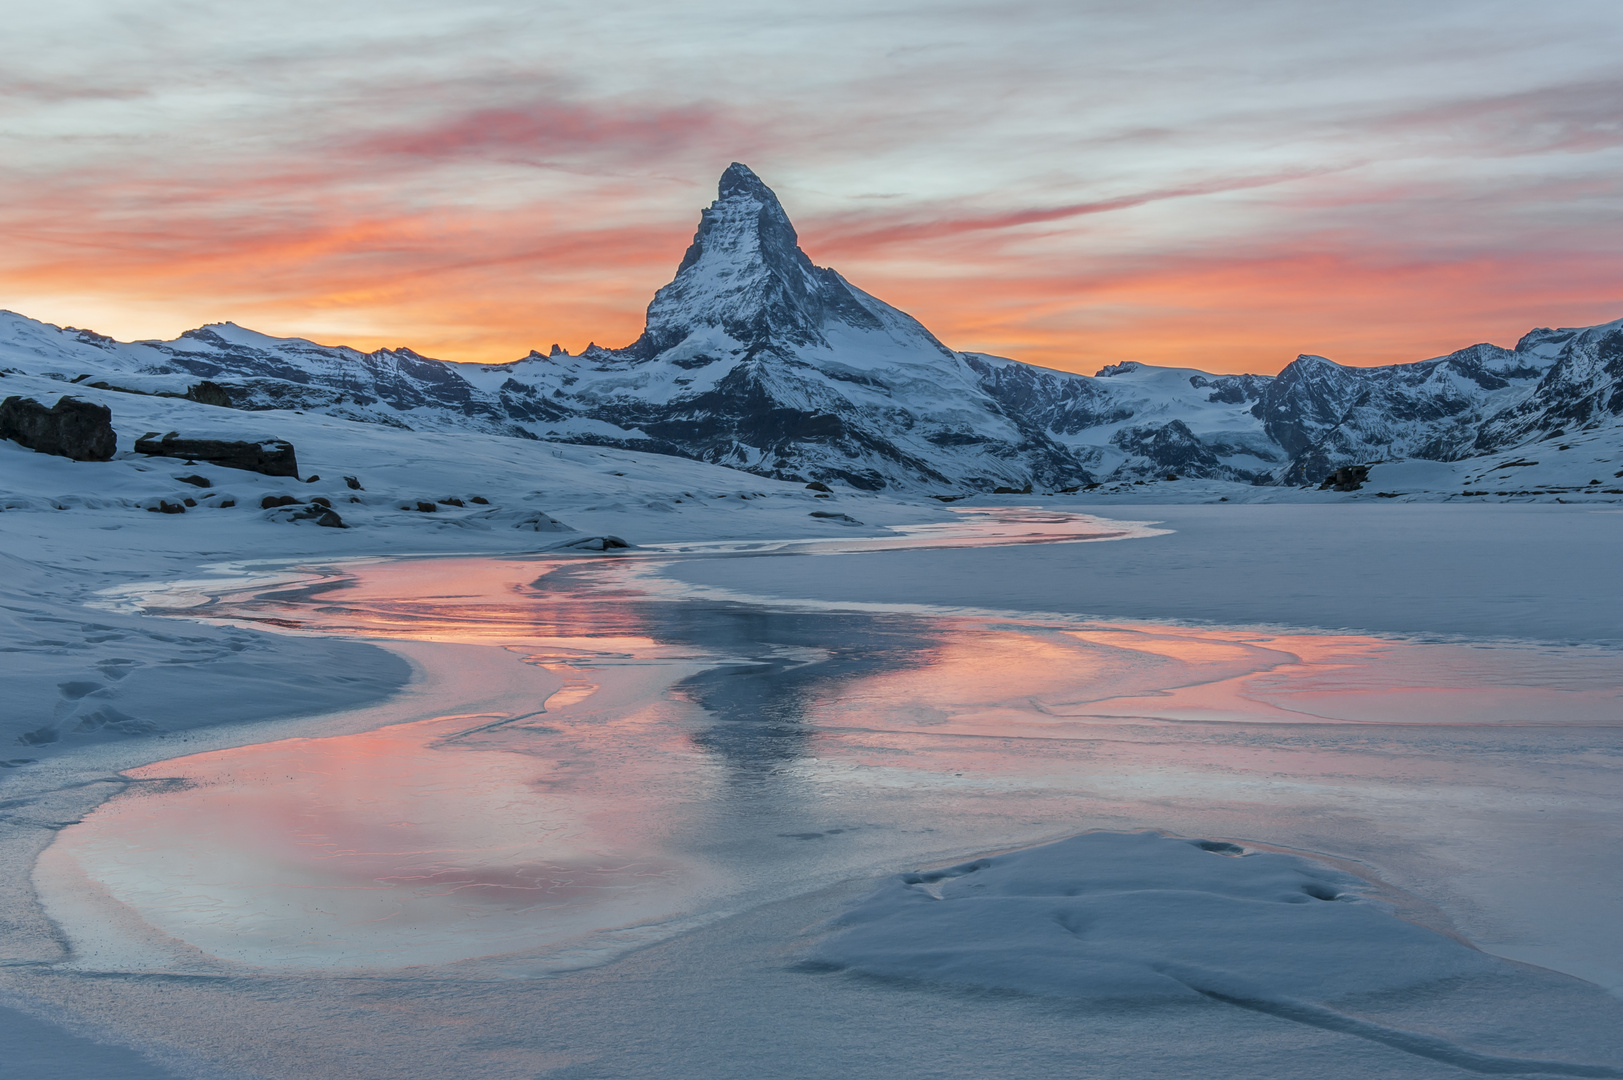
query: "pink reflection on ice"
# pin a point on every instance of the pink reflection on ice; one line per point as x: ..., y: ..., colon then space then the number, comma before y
x: 395, y: 846
x: 535, y: 825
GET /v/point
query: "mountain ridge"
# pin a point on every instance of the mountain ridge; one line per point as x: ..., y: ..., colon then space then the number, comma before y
x: 756, y: 358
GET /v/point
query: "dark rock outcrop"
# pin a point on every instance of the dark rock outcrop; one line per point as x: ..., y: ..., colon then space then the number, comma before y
x: 81, y: 430
x: 318, y: 510
x: 321, y: 515
x: 271, y: 457
x: 592, y: 543
x: 1170, y: 446
x: 209, y: 393
x: 1346, y: 478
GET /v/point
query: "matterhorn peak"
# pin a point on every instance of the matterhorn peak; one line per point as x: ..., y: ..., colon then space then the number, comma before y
x: 744, y: 284
x: 746, y: 218
x: 740, y: 181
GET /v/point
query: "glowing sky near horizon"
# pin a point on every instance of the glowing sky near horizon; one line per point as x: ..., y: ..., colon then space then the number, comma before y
x: 1219, y: 185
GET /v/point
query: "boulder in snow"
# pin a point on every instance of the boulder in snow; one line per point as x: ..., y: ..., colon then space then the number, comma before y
x: 321, y: 515
x: 81, y: 430
x: 592, y: 543
x: 209, y: 393
x: 1346, y: 478
x: 271, y: 457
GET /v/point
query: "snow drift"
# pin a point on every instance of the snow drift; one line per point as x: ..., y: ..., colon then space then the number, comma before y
x: 1143, y: 918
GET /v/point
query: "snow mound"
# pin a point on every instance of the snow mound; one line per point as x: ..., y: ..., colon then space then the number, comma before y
x: 1144, y: 916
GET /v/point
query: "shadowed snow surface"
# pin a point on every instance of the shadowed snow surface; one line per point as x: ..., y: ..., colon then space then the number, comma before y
x: 1144, y: 917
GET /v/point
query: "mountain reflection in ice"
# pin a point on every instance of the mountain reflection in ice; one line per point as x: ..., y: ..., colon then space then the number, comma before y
x: 658, y: 762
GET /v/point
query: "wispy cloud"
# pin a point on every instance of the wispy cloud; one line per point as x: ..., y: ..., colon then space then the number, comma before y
x: 852, y: 234
x: 542, y: 130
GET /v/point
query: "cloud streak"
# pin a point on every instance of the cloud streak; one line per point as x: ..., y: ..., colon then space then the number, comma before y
x: 867, y: 233
x: 543, y: 130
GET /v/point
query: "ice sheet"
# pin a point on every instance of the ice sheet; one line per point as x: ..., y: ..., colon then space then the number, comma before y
x: 734, y: 754
x: 1546, y: 573
x: 766, y: 761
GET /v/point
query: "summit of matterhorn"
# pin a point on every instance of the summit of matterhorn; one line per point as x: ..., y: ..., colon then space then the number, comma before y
x: 745, y: 281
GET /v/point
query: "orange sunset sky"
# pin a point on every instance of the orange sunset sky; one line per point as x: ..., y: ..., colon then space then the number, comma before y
x: 1071, y: 184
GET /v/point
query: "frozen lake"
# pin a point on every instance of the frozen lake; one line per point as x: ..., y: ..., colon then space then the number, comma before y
x: 612, y: 818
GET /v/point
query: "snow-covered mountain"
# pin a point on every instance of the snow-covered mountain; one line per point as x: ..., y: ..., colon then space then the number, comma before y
x: 754, y: 358
x: 395, y: 387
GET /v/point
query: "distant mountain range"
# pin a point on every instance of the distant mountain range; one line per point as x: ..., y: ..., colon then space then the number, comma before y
x: 754, y: 358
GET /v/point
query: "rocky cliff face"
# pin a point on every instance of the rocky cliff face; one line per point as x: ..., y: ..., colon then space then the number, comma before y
x: 1581, y: 389
x: 755, y: 358
x: 1324, y: 415
x: 745, y: 283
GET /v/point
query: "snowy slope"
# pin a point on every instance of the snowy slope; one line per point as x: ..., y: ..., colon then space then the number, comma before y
x: 1325, y: 415
x: 484, y: 492
x: 756, y: 359
x: 396, y: 388
x: 1134, y: 420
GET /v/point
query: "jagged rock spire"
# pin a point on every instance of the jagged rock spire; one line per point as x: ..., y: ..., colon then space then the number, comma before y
x: 745, y: 276
x: 739, y: 179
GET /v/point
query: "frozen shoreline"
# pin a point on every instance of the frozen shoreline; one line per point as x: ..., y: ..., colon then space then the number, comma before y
x: 420, y: 701
x: 1524, y: 572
